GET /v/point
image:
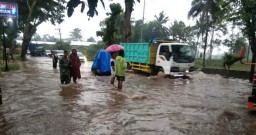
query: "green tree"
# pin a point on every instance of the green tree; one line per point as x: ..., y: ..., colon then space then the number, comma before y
x: 109, y: 32
x: 49, y: 38
x: 76, y: 34
x: 206, y: 10
x: 228, y: 60
x: 32, y: 13
x: 92, y: 4
x: 148, y: 30
x: 136, y: 31
x: 160, y: 31
x: 242, y: 13
x: 11, y: 33
x: 127, y: 18
x: 91, y: 39
x: 235, y: 44
x: 62, y: 46
x: 180, y: 31
x: 36, y: 37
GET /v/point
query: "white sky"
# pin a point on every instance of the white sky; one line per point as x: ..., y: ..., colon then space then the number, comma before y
x: 174, y: 9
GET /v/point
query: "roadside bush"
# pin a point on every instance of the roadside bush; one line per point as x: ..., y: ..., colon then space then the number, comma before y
x: 218, y: 64
x: 92, y: 50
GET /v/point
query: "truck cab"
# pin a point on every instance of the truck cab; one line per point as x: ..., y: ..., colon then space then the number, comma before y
x: 175, y: 59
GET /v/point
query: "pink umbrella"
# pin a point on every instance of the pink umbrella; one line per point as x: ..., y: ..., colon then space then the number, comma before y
x: 114, y: 47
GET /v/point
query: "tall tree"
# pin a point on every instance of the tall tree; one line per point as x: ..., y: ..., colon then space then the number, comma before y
x: 136, y: 31
x: 109, y: 33
x: 36, y: 37
x: 91, y: 39
x: 235, y: 44
x: 49, y: 38
x: 243, y: 13
x: 127, y: 18
x: 160, y: 30
x: 207, y: 10
x: 32, y: 13
x: 92, y: 4
x: 180, y: 31
x: 76, y: 34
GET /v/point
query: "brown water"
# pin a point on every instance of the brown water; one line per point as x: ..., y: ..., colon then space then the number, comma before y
x: 35, y: 103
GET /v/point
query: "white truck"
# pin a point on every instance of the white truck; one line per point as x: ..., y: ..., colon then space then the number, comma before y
x: 168, y: 56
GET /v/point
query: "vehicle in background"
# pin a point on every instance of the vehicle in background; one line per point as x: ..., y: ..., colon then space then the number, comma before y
x: 81, y: 57
x: 59, y: 53
x: 28, y: 52
x: 168, y: 56
x: 36, y: 50
x: 48, y: 53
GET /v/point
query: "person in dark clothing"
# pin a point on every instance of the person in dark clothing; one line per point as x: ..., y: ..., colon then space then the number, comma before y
x: 75, y: 65
x: 54, y: 60
x: 64, y: 65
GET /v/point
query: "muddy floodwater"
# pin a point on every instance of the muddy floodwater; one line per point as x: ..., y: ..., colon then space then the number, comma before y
x: 36, y: 103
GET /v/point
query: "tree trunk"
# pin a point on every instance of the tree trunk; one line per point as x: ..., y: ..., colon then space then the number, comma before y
x: 29, y: 31
x: 205, y: 46
x: 127, y: 20
x: 211, y: 44
x: 206, y: 36
x: 253, y: 47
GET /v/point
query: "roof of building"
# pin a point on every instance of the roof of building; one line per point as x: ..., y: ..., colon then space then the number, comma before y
x: 73, y: 43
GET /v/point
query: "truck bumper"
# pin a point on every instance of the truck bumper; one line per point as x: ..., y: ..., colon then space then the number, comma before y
x: 181, y: 74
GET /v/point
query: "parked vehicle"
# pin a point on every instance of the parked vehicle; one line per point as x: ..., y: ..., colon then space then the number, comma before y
x: 59, y: 53
x: 48, y: 53
x: 81, y: 57
x: 168, y: 56
x: 36, y: 50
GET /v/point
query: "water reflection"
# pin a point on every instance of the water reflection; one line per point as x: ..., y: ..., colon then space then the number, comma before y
x: 70, y: 91
x: 3, y: 123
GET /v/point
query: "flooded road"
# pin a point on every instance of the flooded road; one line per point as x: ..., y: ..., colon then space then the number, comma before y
x: 36, y: 103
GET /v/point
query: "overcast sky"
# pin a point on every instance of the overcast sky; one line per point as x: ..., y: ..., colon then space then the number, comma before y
x: 174, y: 9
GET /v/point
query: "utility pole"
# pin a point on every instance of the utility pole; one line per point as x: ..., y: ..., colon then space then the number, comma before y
x: 141, y: 32
x: 60, y: 35
x: 5, y: 53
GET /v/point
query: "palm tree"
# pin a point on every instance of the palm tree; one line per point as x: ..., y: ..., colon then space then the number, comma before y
x: 160, y: 30
x: 206, y: 9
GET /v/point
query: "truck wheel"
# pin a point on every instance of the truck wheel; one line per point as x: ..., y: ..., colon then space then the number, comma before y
x: 154, y: 70
x: 128, y: 66
x: 160, y: 71
x: 185, y: 77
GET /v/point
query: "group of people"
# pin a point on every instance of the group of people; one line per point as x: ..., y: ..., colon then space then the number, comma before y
x: 69, y: 66
x: 118, y: 66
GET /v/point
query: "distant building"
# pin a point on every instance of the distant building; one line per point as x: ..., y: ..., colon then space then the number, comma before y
x: 73, y: 43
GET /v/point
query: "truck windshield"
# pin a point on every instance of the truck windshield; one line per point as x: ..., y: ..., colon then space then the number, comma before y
x: 183, y: 53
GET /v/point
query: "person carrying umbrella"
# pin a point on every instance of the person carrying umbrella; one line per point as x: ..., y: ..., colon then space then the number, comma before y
x: 113, y: 49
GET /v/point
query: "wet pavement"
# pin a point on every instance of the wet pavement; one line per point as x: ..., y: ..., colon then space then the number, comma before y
x: 35, y: 103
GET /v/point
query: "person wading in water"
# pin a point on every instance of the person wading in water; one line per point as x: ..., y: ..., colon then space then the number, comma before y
x: 75, y: 65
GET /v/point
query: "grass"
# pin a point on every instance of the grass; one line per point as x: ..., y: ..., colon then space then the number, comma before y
x: 218, y: 64
x: 12, y: 66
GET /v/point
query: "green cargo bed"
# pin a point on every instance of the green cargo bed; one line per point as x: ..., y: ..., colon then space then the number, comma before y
x: 139, y: 52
